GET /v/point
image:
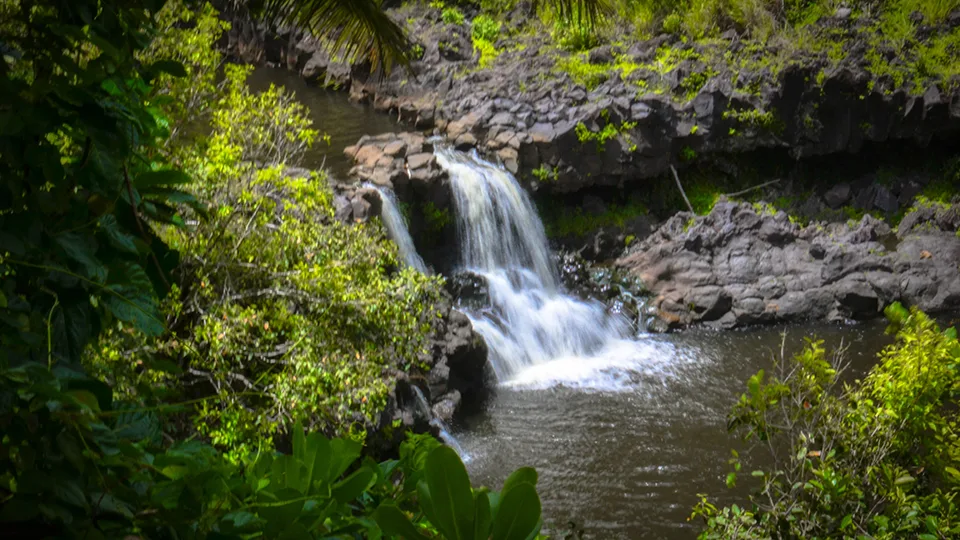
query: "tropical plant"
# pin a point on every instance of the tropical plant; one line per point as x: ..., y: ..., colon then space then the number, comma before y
x: 360, y: 28
x: 873, y: 459
x: 85, y: 180
x: 78, y: 464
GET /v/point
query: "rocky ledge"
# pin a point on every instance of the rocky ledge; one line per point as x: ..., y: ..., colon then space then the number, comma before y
x: 746, y: 264
x: 628, y: 110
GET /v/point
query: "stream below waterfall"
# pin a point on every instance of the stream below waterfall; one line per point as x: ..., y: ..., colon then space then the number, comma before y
x: 624, y: 432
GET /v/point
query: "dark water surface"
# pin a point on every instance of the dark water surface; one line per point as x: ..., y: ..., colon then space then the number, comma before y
x: 621, y: 453
x: 332, y: 113
x: 629, y: 463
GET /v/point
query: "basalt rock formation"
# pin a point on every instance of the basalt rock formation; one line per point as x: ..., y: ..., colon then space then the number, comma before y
x: 741, y: 265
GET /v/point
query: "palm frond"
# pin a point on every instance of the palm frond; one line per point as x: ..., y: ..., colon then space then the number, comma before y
x: 349, y: 28
x: 581, y: 11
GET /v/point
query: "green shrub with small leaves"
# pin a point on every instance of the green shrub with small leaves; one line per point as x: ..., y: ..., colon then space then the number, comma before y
x: 876, y: 458
x: 280, y: 311
x: 485, y: 28
x: 452, y: 15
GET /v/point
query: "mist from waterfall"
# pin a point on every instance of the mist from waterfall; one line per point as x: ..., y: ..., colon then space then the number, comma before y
x: 397, y: 228
x: 537, y: 335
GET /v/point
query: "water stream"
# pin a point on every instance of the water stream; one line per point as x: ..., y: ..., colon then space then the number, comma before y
x: 396, y: 226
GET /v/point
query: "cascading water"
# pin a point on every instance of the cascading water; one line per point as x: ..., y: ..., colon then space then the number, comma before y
x: 397, y: 229
x: 535, y: 332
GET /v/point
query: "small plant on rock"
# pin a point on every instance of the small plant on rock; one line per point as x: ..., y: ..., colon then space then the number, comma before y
x: 452, y: 15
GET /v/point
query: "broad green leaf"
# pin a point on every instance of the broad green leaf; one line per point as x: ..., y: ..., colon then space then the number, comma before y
x: 107, y: 503
x: 518, y: 517
x: 240, y: 521
x: 281, y: 510
x: 299, y: 443
x: 138, y: 426
x: 449, y: 487
x: 82, y: 249
x: 175, y: 472
x: 905, y: 479
x: 119, y: 239
x: 352, y: 486
x: 161, y: 178
x: 395, y: 523
x: 3, y: 300
x: 70, y: 448
x: 522, y: 475
x: 130, y: 298
x: 482, y: 519
x: 85, y: 398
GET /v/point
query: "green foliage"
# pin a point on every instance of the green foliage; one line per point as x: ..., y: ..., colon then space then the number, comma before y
x: 485, y: 28
x: 562, y: 221
x: 84, y: 180
x: 488, y: 52
x: 688, y: 154
x: 874, y: 458
x: 703, y: 196
x: 755, y: 118
x: 582, y: 71
x: 691, y: 85
x: 276, y: 313
x: 284, y: 313
x: 268, y: 128
x: 608, y: 132
x: 497, y: 7
x: 435, y: 219
x: 544, y: 174
x: 452, y: 15
x: 84, y: 465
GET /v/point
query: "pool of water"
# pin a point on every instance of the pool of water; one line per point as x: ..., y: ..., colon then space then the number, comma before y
x: 628, y: 461
x: 332, y: 113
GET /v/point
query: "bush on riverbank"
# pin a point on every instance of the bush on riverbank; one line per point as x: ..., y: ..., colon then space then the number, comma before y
x: 280, y: 312
x: 876, y: 458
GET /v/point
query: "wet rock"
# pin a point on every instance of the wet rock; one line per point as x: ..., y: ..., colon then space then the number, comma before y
x: 471, y: 290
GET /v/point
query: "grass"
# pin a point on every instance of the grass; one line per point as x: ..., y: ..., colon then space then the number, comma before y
x: 561, y: 221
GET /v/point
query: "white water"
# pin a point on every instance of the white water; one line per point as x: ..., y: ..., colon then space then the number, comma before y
x: 397, y: 229
x: 537, y: 335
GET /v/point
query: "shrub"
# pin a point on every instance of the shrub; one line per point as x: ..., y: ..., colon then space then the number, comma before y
x: 485, y: 28
x: 876, y: 458
x: 283, y: 312
x: 583, y: 72
x: 76, y: 463
x: 452, y: 15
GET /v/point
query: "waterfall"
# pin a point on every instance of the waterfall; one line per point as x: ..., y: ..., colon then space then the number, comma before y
x: 397, y: 229
x: 530, y: 322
